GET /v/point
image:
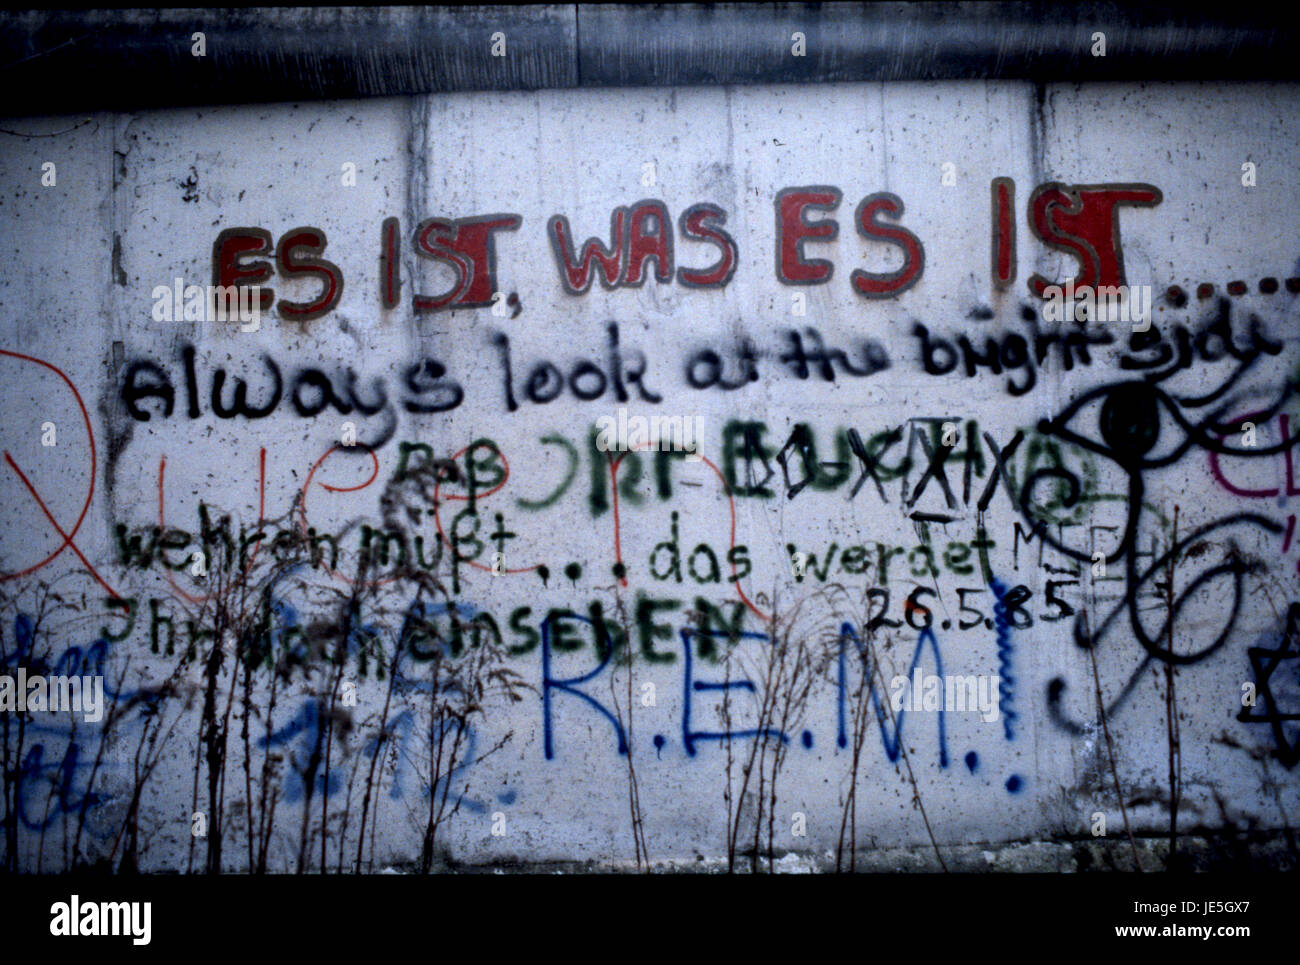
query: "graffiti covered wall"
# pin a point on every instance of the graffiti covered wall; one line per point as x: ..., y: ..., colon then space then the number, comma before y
x: 651, y: 475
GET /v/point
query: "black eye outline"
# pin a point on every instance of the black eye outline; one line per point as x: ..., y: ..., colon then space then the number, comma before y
x: 1129, y: 423
x: 1131, y: 433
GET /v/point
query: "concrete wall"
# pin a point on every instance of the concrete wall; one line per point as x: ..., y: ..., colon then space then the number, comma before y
x: 978, y: 490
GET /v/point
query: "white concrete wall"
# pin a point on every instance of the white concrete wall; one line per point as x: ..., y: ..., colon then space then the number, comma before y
x: 139, y: 201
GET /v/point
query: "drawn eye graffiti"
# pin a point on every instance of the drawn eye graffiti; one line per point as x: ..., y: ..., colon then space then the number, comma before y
x: 1142, y: 427
x: 1138, y: 425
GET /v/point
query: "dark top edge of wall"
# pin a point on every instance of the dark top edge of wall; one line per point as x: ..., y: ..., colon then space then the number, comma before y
x: 57, y: 62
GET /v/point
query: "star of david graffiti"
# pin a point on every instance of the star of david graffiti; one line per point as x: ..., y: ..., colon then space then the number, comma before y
x: 1266, y: 662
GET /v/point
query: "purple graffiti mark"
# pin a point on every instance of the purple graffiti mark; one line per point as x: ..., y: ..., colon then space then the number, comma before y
x: 1284, y: 429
